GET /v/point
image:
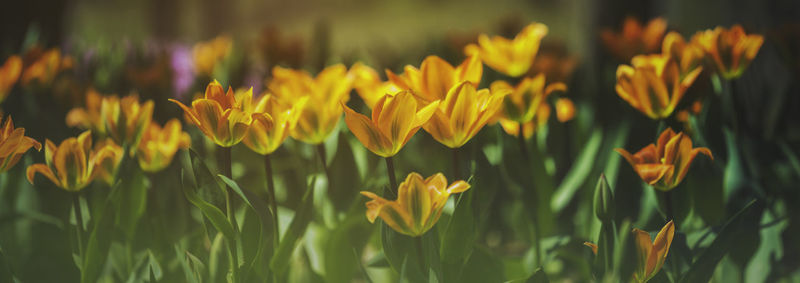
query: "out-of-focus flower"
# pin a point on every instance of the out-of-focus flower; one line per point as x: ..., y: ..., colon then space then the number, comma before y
x: 664, y: 165
x: 526, y: 98
x: 9, y: 74
x: 730, y: 50
x: 418, y: 206
x: 511, y: 127
x: 555, y: 62
x: 512, y: 57
x: 207, y: 54
x: 264, y: 136
x: 654, y: 84
x: 435, y: 77
x: 73, y: 164
x: 687, y: 55
x: 634, y: 38
x: 43, y: 66
x: 159, y: 145
x: 125, y: 119
x: 90, y: 116
x: 325, y: 92
x: 565, y: 109
x: 106, y: 169
x: 651, y: 255
x: 369, y: 85
x: 276, y: 48
x: 220, y: 115
x: 182, y: 70
x: 464, y: 112
x: 395, y: 119
x: 13, y: 144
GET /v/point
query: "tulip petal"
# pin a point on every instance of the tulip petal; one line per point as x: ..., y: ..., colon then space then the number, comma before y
x: 660, y: 249
x: 365, y: 131
x: 44, y: 170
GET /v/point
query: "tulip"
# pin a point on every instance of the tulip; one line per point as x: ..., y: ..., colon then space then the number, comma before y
x: 512, y: 128
x: 436, y: 77
x: 664, y: 165
x: 511, y: 57
x: 13, y: 144
x: 73, y: 164
x: 325, y: 92
x: 45, y: 66
x: 651, y: 254
x: 464, y: 112
x: 730, y: 50
x: 369, y: 86
x: 159, y: 145
x: 395, y: 119
x: 89, y: 117
x: 220, y: 115
x: 418, y: 206
x: 107, y: 169
x: 687, y: 55
x: 565, y: 109
x: 264, y: 137
x: 206, y: 55
x: 125, y: 119
x: 654, y: 84
x: 634, y: 38
x: 9, y: 74
x: 526, y: 98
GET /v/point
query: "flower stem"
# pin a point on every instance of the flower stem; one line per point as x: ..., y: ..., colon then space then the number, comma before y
x: 324, y: 160
x: 392, y: 178
x: 418, y: 242
x: 456, y: 165
x: 224, y: 165
x: 536, y: 233
x: 521, y: 138
x: 272, y: 200
x: 76, y: 205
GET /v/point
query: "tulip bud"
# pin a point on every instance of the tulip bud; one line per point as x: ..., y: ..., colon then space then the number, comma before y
x: 603, y: 200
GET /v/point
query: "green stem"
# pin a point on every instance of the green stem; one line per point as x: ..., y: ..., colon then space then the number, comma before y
x: 536, y: 233
x: 392, y: 178
x: 76, y: 205
x: 224, y: 163
x: 422, y: 264
x: 324, y: 160
x: 272, y: 200
x: 521, y: 139
x: 456, y: 165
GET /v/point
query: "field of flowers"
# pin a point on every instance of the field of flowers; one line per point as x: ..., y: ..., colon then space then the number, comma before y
x: 487, y: 159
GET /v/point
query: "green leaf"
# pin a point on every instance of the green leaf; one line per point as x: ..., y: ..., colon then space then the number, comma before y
x: 6, y: 275
x: 703, y: 267
x: 350, y: 236
x: 538, y: 277
x: 211, y: 212
x: 98, y: 245
x: 132, y: 198
x: 297, y: 228
x: 193, y: 267
x: 578, y: 173
x: 398, y: 247
x: 459, y: 238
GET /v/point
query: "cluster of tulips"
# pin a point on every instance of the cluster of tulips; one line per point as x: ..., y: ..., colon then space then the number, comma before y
x: 445, y: 101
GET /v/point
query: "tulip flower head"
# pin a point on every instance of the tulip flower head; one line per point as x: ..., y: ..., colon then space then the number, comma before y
x: 511, y: 127
x: 319, y: 117
x: 264, y: 137
x: 464, y: 112
x: 395, y: 119
x: 9, y: 74
x: 435, y: 77
x: 159, y: 145
x: 688, y: 55
x: 730, y: 50
x: 220, y: 115
x: 90, y: 116
x: 634, y: 38
x: 73, y: 164
x: 654, y: 84
x: 524, y: 100
x: 125, y: 119
x: 651, y: 254
x: 565, y: 109
x: 664, y: 165
x: 13, y: 144
x: 43, y: 66
x: 418, y: 206
x: 369, y: 85
x: 206, y: 55
x: 513, y: 57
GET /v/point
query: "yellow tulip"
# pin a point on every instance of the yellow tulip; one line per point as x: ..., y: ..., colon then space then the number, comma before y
x: 13, y: 144
x: 634, y: 38
x: 44, y: 66
x: 159, y: 145
x: 511, y: 127
x: 206, y: 55
x: 731, y: 50
x: 369, y: 86
x: 688, y: 55
x: 464, y: 112
x: 435, y: 77
x: 73, y: 164
x: 9, y: 74
x: 319, y: 117
x: 106, y: 169
x: 565, y: 109
x: 526, y: 98
x: 264, y: 137
x: 220, y: 115
x: 511, y: 57
x: 90, y: 116
x: 418, y: 206
x: 651, y: 255
x: 664, y: 165
x: 125, y: 119
x: 395, y: 119
x: 654, y: 84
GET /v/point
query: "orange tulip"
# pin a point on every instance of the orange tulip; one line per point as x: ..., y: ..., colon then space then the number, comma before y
x: 565, y: 109
x: 730, y: 50
x: 651, y: 254
x: 654, y: 85
x: 9, y: 74
x: 526, y: 98
x: 512, y: 57
x: 159, y: 145
x: 464, y: 112
x: 13, y: 144
x: 687, y: 55
x: 73, y: 164
x: 511, y: 127
x: 264, y: 137
x: 435, y: 77
x: 90, y: 116
x: 634, y: 38
x: 395, y: 119
x: 207, y: 55
x: 44, y: 67
x: 664, y: 165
